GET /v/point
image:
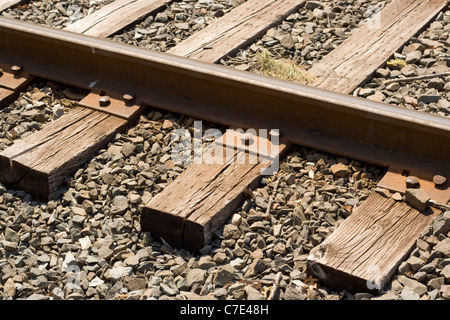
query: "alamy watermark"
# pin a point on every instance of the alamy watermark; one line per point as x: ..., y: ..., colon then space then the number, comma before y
x: 237, y: 146
x: 374, y: 282
x: 374, y: 21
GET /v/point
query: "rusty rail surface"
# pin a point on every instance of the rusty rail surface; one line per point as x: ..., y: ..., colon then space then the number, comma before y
x: 345, y: 125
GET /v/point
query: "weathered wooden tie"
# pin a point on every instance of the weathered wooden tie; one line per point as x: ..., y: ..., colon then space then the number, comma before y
x: 363, y: 253
x: 39, y: 163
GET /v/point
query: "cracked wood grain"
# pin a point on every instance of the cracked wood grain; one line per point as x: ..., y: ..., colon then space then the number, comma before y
x: 369, y: 245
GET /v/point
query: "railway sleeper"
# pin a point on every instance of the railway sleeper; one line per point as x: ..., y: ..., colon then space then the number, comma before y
x: 363, y: 253
x: 205, y: 195
x: 40, y: 162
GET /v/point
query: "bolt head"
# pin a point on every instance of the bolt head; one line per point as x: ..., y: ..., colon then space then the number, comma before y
x: 439, y: 180
x: 128, y: 97
x: 247, y: 138
x: 275, y: 133
x: 104, y: 101
x: 16, y: 69
x: 412, y: 182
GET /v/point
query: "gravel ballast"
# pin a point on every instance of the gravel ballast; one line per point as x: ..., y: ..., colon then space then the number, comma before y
x: 57, y: 14
x: 42, y: 102
x: 86, y: 243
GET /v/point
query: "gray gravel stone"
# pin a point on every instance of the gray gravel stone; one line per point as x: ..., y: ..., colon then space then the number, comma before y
x: 119, y: 205
x: 11, y: 235
x: 10, y: 246
x: 429, y: 98
x: 363, y: 296
x: 256, y: 267
x: 293, y: 292
x: 445, y: 292
x: 231, y: 232
x: 441, y: 225
x: 408, y: 294
x: 254, y: 294
x: 38, y: 296
x: 443, y: 247
x: 445, y: 272
x: 105, y: 253
x: 414, y: 263
x: 413, y: 285
x: 413, y: 57
x: 196, y: 276
x: 417, y: 198
x: 224, y: 275
x: 117, y: 273
x: 435, y: 283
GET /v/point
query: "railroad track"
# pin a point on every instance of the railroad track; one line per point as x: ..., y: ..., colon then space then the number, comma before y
x: 124, y: 80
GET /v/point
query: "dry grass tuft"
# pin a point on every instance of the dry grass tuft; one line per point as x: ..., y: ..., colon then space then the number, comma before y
x: 282, y: 69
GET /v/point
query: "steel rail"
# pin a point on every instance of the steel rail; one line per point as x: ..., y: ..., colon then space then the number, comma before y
x: 341, y: 124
